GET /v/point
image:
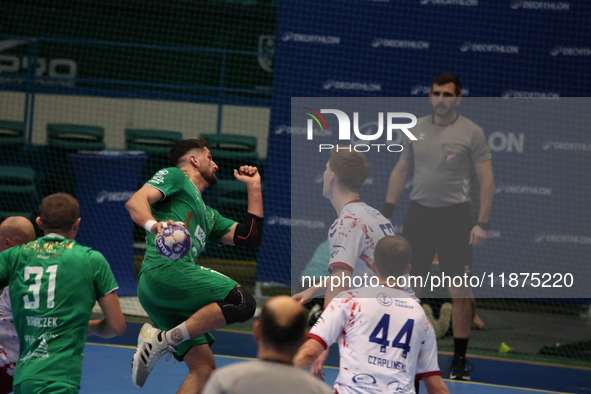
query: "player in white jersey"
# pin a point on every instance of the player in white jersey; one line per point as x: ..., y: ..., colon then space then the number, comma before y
x: 385, y: 338
x: 354, y: 234
x: 14, y: 230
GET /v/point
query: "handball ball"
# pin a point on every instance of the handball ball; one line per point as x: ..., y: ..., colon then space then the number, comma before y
x: 173, y: 242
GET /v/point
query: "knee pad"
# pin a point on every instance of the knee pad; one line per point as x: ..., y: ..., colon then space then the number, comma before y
x: 239, y: 306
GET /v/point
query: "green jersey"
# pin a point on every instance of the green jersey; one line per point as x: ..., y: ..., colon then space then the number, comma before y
x: 183, y: 202
x: 54, y: 284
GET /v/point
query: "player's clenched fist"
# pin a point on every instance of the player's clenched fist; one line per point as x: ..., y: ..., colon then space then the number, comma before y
x: 247, y: 174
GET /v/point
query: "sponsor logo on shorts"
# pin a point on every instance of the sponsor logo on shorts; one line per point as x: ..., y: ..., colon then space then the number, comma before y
x: 364, y: 378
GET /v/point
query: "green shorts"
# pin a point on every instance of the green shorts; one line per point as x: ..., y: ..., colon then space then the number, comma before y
x: 173, y: 292
x: 45, y: 387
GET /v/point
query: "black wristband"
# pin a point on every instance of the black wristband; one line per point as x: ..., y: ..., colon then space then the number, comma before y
x: 483, y: 225
x: 388, y: 209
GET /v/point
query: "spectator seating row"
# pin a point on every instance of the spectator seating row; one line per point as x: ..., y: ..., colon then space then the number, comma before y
x: 27, y: 176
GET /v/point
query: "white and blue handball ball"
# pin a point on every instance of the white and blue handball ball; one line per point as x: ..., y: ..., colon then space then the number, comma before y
x: 174, y: 242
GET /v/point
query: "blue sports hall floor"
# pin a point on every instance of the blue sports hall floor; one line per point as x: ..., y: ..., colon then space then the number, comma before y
x: 107, y: 369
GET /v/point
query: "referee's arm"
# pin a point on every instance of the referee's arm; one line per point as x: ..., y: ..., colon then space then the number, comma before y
x: 397, y: 183
x: 484, y: 172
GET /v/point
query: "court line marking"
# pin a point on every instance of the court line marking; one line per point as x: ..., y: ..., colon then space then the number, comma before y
x: 520, y: 361
x: 508, y: 387
x: 331, y: 367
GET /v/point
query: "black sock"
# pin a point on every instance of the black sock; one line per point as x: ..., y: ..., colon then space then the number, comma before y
x: 460, y: 347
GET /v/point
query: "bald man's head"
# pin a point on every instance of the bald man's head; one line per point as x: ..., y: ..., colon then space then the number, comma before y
x: 16, y: 230
x: 283, y: 322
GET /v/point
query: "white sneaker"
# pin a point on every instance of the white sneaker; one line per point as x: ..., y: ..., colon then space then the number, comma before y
x: 151, y: 345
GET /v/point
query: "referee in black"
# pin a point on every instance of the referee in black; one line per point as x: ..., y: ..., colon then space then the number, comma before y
x: 438, y: 220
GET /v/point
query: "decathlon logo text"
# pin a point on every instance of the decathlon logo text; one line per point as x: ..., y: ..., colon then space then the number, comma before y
x: 113, y: 196
x: 562, y: 239
x: 310, y: 38
x: 521, y: 189
x: 291, y: 222
x: 345, y: 85
x: 526, y: 94
x: 540, y: 5
x: 556, y: 51
x: 509, y: 142
x: 568, y: 146
x: 492, y: 48
x: 466, y: 3
x: 387, y: 43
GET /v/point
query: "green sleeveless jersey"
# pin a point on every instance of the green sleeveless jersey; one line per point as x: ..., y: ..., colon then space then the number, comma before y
x: 183, y: 202
x: 54, y: 284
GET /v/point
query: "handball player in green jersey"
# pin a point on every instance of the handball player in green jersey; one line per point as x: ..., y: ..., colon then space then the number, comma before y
x: 54, y: 284
x: 184, y: 300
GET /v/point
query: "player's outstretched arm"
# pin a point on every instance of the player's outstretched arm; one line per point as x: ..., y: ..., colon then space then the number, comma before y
x: 307, y: 353
x: 250, y: 176
x: 113, y: 324
x: 250, y: 233
x: 435, y: 385
x: 139, y: 209
x: 306, y: 296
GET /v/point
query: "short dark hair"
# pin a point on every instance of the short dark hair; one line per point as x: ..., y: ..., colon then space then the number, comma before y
x: 59, y: 211
x: 350, y: 167
x: 392, y: 255
x: 182, y: 147
x: 445, y: 78
x: 282, y: 337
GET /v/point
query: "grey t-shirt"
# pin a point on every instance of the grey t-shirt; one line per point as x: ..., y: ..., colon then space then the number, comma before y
x: 443, y: 157
x: 266, y: 377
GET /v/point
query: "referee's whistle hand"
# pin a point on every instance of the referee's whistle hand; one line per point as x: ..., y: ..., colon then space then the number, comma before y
x: 478, y: 236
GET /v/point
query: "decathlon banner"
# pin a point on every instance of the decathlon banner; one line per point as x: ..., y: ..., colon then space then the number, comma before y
x: 537, y: 245
x: 355, y: 48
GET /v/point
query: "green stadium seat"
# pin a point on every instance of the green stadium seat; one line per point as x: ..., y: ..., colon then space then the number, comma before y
x: 152, y: 142
x: 18, y: 193
x: 12, y: 133
x: 231, y: 142
x: 63, y: 139
x: 12, y: 139
x: 75, y: 137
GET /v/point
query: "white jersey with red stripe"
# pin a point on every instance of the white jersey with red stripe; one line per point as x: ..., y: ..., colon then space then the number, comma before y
x: 352, y: 240
x: 385, y: 340
x: 9, y: 343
